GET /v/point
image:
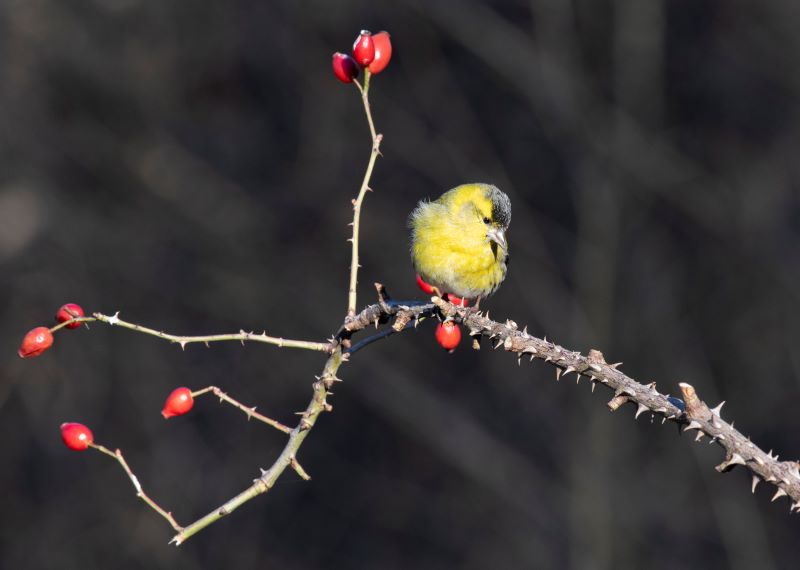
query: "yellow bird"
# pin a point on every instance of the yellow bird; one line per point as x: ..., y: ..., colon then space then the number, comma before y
x: 458, y: 242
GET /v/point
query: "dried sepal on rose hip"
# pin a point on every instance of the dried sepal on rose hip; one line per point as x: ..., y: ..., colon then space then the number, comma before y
x: 76, y: 436
x: 383, y: 52
x: 448, y: 335
x: 344, y: 67
x: 179, y: 402
x: 68, y: 312
x: 364, y: 48
x: 35, y: 342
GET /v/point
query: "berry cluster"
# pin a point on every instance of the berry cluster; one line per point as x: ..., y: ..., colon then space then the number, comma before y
x: 41, y: 338
x: 370, y: 51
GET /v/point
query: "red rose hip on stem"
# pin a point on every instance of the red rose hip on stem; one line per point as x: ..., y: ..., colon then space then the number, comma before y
x: 383, y: 52
x: 426, y: 287
x: 35, y: 342
x: 448, y: 335
x: 67, y: 313
x: 457, y: 300
x: 178, y: 403
x: 344, y: 67
x: 364, y: 48
x: 76, y: 436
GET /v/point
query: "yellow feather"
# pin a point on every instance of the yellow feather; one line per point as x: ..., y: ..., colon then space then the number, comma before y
x: 450, y: 247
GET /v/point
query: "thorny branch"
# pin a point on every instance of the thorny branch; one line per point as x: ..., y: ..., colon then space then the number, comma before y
x: 376, y: 151
x: 739, y: 450
x: 380, y: 312
x: 287, y: 458
x: 697, y: 416
x: 691, y: 413
x: 250, y: 412
x: 241, y: 336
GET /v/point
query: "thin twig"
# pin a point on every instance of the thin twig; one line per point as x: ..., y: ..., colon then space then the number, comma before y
x: 367, y: 110
x: 251, y: 412
x: 376, y: 144
x: 60, y: 326
x: 241, y: 336
x: 136, y: 485
x: 299, y: 469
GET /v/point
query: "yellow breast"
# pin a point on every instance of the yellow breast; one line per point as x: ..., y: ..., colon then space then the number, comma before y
x: 451, y: 251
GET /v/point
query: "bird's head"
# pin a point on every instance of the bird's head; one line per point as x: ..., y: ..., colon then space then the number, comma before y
x: 493, y: 208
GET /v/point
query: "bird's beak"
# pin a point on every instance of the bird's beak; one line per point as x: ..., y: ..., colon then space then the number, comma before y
x: 498, y: 236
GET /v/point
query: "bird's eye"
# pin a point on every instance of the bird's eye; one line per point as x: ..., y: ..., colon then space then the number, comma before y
x: 486, y: 220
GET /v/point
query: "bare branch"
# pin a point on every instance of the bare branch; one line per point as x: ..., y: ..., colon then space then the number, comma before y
x: 266, y: 481
x: 251, y: 412
x: 381, y: 312
x: 739, y: 450
x: 136, y: 485
x: 376, y: 144
x: 241, y: 336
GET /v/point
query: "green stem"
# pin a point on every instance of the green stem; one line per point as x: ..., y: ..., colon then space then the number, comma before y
x: 316, y: 406
x: 367, y: 75
x: 251, y: 412
x: 136, y: 485
x: 184, y: 340
x: 376, y: 143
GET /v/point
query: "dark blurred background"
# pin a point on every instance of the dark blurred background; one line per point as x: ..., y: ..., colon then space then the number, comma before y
x: 192, y: 164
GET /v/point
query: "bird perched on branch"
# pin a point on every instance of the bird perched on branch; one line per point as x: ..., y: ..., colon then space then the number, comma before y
x: 458, y: 242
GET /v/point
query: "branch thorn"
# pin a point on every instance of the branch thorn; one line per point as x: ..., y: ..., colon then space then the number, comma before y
x: 692, y: 425
x: 778, y: 494
x: 730, y: 462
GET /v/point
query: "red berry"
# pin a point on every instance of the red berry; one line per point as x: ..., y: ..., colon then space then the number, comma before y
x: 383, y: 52
x: 448, y: 335
x: 35, y: 342
x: 178, y: 403
x: 457, y: 300
x: 76, y: 436
x: 344, y: 67
x: 426, y: 287
x: 364, y: 48
x: 67, y: 313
